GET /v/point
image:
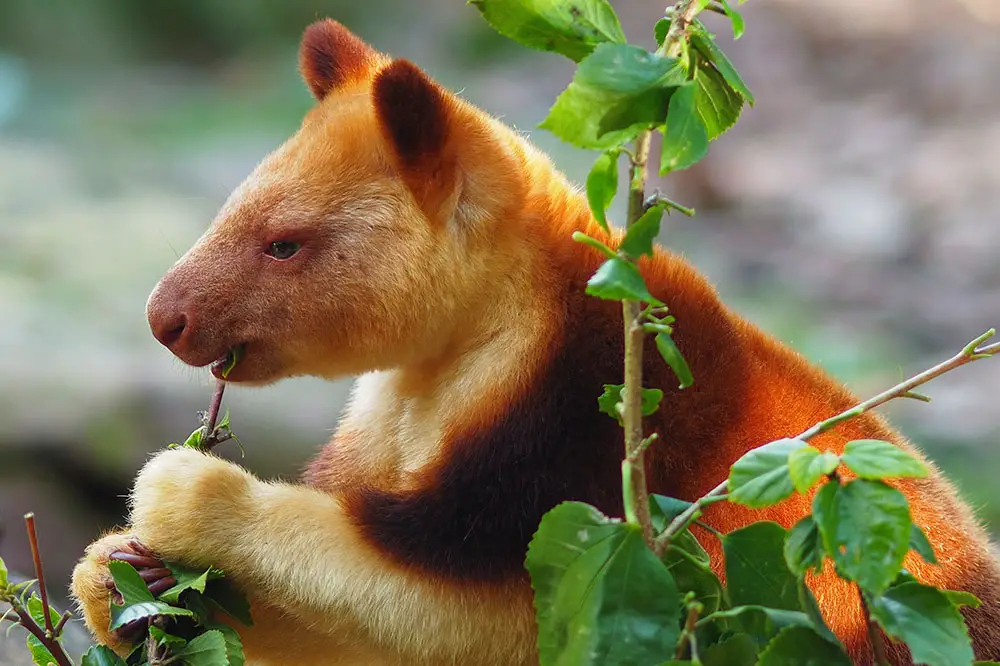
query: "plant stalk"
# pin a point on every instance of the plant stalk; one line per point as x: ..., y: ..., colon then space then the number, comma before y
x: 875, y: 637
x: 48, y: 636
x: 636, y: 495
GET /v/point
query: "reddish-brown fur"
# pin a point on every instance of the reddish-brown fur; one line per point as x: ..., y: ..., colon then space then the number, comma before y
x: 436, y: 250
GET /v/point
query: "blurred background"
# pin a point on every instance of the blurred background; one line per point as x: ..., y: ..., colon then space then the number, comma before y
x: 854, y: 213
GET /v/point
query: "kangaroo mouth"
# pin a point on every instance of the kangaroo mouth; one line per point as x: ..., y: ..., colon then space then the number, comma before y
x: 228, y: 362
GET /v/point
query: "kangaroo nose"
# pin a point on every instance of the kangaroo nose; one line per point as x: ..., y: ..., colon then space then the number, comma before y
x: 168, y: 313
x: 168, y: 329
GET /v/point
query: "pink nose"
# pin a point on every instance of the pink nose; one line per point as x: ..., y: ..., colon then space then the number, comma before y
x: 167, y: 316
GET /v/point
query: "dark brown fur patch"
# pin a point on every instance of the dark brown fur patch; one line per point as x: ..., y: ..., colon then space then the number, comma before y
x: 331, y: 55
x: 413, y: 113
x: 477, y: 512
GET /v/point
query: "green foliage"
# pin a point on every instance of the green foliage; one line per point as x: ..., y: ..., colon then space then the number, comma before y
x: 609, y: 402
x: 866, y: 530
x: 804, y: 547
x: 672, y: 355
x: 761, y: 477
x: 875, y: 459
x: 188, y: 579
x: 190, y: 635
x: 602, y: 183
x: 802, y: 646
x: 617, y: 91
x: 756, y: 573
x: 806, y: 466
x: 641, y: 233
x: 685, y: 139
x: 919, y: 543
x: 99, y: 655
x: 602, y: 596
x: 618, y: 279
x: 927, y: 621
x: 570, y: 27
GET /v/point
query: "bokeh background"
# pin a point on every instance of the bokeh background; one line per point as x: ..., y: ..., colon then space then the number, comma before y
x: 854, y: 212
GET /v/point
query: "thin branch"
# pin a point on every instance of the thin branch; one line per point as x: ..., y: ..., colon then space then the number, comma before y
x: 688, y: 635
x: 634, y: 489
x: 211, y: 438
x: 62, y: 623
x: 54, y: 647
x: 874, y: 633
x: 29, y: 522
x: 971, y: 352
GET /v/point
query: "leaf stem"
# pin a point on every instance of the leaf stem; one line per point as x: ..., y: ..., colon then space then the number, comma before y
x: 875, y: 637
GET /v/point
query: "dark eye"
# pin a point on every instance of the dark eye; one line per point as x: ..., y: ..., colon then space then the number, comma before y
x: 282, y: 249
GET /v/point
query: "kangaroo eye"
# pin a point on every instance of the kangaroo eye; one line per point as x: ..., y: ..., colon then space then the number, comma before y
x: 282, y: 249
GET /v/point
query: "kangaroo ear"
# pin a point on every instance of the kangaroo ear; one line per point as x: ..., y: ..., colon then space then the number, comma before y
x: 415, y: 116
x: 331, y: 56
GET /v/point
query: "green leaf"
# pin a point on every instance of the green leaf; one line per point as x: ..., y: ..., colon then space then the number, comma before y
x: 224, y: 595
x: 673, y: 357
x: 761, y: 478
x: 570, y: 27
x: 763, y: 621
x: 804, y: 547
x: 132, y: 587
x: 163, y: 638
x: 660, y: 31
x: 608, y: 401
x: 927, y: 621
x: 718, y: 104
x: 618, y: 279
x: 664, y: 509
x: 919, y: 543
x: 866, y: 530
x: 40, y: 654
x: 959, y: 598
x: 208, y: 649
x: 807, y: 465
x: 98, y: 655
x: 3, y: 573
x: 602, y: 185
x: 756, y: 573
x: 735, y: 18
x: 737, y: 650
x: 802, y: 646
x: 602, y: 596
x: 617, y: 91
x: 35, y: 611
x: 187, y: 579
x: 641, y: 233
x: 234, y: 644
x: 122, y: 615
x: 875, y: 459
x: 685, y: 139
x: 703, y: 42
x: 687, y: 562
x: 194, y: 439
